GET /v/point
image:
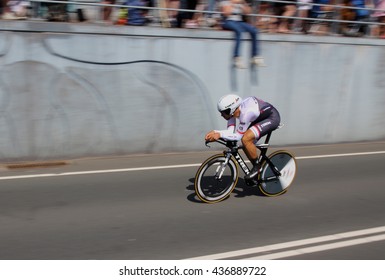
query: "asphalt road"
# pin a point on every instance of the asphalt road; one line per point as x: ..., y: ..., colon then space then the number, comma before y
x: 104, y: 209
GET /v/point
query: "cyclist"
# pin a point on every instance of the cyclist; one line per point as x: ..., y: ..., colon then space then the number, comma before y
x: 256, y: 118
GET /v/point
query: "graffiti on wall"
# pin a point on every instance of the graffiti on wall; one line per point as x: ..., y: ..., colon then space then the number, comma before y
x: 69, y: 107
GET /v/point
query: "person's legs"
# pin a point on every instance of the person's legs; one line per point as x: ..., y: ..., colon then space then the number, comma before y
x: 237, y: 28
x: 2, y: 5
x: 181, y: 16
x: 290, y: 11
x: 107, y: 10
x: 302, y: 25
x: 191, y: 5
x: 253, y: 31
x: 211, y: 6
x: 209, y: 18
x: 172, y: 4
x: 382, y: 28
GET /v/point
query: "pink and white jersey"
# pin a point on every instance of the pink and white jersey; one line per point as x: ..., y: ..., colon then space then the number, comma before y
x: 251, y: 109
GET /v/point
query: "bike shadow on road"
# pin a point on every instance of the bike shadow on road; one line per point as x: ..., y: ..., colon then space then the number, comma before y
x: 241, y: 190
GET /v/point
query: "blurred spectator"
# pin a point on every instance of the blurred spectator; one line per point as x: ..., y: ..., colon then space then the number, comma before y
x: 233, y: 12
x: 160, y: 14
x: 57, y: 12
x: 322, y: 12
x: 15, y: 9
x: 172, y: 4
x: 380, y: 15
x: 135, y: 15
x: 285, y: 10
x: 354, y: 29
x: 211, y: 7
x: 361, y: 15
x: 265, y: 21
x: 122, y: 16
x: 303, y: 7
x: 107, y: 10
x: 186, y: 19
x: 2, y: 6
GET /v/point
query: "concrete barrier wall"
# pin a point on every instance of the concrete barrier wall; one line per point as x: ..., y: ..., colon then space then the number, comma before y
x: 76, y: 90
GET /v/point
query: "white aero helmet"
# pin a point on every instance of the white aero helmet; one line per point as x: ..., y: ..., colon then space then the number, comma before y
x: 229, y: 103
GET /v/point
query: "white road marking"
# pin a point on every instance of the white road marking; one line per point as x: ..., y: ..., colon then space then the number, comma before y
x: 161, y: 167
x: 98, y: 171
x: 343, y: 155
x: 358, y: 235
x: 319, y: 248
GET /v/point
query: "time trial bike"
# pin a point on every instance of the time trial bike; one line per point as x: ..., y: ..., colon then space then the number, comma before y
x: 217, y: 176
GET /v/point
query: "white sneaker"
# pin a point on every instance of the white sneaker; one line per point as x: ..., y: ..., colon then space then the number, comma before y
x: 191, y: 24
x: 238, y: 63
x: 211, y: 22
x: 258, y: 61
x: 11, y: 16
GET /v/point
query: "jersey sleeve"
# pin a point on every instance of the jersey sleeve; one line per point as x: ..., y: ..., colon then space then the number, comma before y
x: 230, y: 133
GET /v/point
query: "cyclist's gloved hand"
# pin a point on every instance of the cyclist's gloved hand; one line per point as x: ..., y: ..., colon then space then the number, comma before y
x: 212, y: 136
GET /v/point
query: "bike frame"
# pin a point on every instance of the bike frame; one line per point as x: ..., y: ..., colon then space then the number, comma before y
x: 233, y: 151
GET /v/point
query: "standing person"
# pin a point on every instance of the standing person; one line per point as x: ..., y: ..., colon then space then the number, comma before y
x: 380, y: 15
x: 353, y: 13
x: 172, y: 4
x: 107, y: 10
x: 256, y: 118
x: 211, y: 7
x: 285, y: 10
x: 186, y: 19
x: 304, y: 8
x: 361, y: 15
x: 234, y: 12
x: 2, y: 7
x: 135, y: 15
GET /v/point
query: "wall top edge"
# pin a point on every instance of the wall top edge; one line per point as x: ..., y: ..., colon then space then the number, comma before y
x: 153, y: 31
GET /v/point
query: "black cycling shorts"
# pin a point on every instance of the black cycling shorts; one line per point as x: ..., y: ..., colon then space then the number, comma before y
x: 267, y: 121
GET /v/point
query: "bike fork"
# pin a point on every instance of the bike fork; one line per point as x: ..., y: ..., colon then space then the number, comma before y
x: 221, y: 167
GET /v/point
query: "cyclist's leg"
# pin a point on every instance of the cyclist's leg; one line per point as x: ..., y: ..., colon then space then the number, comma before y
x: 259, y: 129
x: 249, y: 148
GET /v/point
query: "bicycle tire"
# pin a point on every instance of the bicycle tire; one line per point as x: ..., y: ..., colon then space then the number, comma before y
x: 286, y: 164
x: 210, y: 189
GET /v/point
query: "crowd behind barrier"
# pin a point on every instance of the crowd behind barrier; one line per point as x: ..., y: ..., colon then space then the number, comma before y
x: 326, y: 17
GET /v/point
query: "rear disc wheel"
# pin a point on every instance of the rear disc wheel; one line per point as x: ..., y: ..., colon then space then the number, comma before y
x: 272, y: 185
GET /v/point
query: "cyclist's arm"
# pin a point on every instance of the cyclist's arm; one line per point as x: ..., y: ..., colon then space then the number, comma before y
x: 234, y: 134
x: 228, y: 134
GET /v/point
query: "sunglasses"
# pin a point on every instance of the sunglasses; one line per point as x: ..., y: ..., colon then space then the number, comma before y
x: 225, y: 112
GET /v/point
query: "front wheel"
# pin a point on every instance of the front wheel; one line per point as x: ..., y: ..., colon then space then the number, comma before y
x: 269, y: 183
x: 215, y: 180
